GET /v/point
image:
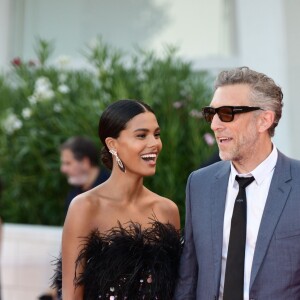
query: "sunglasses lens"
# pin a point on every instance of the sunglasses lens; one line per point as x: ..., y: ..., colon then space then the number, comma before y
x: 208, y: 113
x: 225, y: 114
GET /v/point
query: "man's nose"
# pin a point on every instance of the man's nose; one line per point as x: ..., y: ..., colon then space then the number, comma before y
x: 216, y: 123
x: 63, y: 169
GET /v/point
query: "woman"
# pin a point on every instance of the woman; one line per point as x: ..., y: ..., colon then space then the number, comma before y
x: 131, y: 246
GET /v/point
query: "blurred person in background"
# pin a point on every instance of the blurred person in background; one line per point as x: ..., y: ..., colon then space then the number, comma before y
x: 80, y: 162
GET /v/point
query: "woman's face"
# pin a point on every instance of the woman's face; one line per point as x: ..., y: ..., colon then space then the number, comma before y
x: 139, y: 144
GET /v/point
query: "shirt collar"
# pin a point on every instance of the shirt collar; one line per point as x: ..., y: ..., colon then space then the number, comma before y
x: 260, y: 172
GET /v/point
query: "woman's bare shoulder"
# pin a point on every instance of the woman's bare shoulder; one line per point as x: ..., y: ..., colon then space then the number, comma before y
x: 165, y: 204
x: 165, y: 210
x: 91, y: 199
x: 84, y: 210
x: 159, y: 200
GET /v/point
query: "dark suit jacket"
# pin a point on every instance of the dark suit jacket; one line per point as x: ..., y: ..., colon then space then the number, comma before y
x: 275, y: 271
x: 76, y: 190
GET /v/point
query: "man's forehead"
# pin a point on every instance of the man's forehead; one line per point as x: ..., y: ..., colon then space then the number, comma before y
x: 235, y: 94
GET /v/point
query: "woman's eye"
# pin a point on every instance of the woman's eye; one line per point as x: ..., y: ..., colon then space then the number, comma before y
x: 141, y: 136
x: 157, y: 135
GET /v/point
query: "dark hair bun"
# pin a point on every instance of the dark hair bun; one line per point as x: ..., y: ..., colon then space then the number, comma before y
x: 106, y: 158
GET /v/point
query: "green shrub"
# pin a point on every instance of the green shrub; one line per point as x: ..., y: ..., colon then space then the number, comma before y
x: 42, y: 104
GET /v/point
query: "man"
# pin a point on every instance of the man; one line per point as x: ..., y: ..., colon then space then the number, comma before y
x: 265, y: 249
x: 80, y: 163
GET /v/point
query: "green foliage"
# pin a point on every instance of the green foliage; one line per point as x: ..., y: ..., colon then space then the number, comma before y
x: 43, y: 104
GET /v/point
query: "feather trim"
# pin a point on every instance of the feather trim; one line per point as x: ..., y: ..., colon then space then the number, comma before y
x: 129, y: 262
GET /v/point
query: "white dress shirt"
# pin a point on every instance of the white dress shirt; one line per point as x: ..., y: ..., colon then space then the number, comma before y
x: 256, y: 193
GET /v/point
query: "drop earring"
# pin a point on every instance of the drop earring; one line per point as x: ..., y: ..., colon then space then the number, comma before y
x: 119, y: 162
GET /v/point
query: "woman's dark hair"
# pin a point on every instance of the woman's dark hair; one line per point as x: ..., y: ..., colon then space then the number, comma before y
x: 114, y: 119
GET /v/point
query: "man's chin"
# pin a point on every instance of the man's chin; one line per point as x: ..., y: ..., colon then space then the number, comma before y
x: 77, y: 180
x: 225, y: 156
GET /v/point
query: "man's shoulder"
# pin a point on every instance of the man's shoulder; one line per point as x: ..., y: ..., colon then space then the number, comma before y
x: 213, y: 168
x: 203, y: 179
x: 206, y: 173
x: 284, y: 160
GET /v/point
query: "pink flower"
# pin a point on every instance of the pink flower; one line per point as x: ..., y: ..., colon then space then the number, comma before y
x: 16, y: 62
x: 209, y: 139
x: 196, y: 114
x: 177, y: 104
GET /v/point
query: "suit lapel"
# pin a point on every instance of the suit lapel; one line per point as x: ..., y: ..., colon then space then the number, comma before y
x: 277, y: 197
x: 218, y: 196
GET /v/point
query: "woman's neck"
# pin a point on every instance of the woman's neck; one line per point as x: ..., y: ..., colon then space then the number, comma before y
x: 125, y: 186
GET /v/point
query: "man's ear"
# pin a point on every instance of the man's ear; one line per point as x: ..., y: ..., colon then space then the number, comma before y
x: 111, y: 143
x: 86, y: 161
x: 266, y: 120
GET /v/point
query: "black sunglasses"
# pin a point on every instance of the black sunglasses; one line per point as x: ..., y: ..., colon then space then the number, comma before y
x: 225, y: 113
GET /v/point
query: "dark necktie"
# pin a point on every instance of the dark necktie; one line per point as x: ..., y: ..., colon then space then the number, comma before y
x: 234, y: 274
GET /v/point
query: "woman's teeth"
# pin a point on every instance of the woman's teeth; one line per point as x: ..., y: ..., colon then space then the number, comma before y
x: 148, y: 157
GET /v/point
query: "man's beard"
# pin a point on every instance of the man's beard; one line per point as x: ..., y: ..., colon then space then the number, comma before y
x: 78, y: 180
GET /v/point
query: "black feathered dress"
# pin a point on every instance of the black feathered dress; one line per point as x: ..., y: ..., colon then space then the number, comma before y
x: 128, y: 263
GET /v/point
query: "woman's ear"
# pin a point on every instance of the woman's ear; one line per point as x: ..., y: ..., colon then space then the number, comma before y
x: 110, y: 143
x: 266, y: 120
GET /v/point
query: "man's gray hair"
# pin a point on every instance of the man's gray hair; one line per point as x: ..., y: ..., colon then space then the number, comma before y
x: 264, y: 91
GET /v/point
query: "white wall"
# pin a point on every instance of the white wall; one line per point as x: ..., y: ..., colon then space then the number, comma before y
x: 201, y: 28
x: 291, y: 11
x: 5, y: 31
x: 26, y: 257
x: 262, y: 46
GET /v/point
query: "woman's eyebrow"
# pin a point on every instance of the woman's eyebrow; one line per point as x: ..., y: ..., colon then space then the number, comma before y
x: 141, y: 129
x: 145, y: 129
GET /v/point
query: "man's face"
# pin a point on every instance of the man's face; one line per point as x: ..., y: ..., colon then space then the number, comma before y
x: 236, y: 139
x: 75, y: 170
